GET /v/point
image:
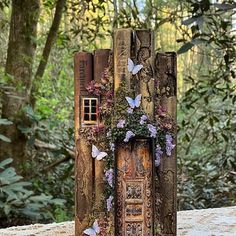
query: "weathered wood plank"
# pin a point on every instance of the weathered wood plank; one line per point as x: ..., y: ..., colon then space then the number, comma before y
x: 134, y: 208
x: 166, y: 181
x: 101, y: 60
x: 83, y: 165
x: 144, y: 53
x: 122, y: 51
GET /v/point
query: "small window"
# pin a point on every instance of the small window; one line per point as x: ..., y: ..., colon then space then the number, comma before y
x: 89, y: 111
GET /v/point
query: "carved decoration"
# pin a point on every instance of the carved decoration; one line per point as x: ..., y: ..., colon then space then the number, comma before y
x: 134, y: 229
x: 134, y: 205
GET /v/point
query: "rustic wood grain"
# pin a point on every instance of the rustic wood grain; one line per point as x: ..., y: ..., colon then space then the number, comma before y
x: 166, y: 184
x: 83, y: 165
x: 101, y: 61
x: 122, y: 51
x: 144, y: 54
x: 134, y: 209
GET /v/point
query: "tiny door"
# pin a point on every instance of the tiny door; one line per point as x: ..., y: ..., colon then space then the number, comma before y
x: 134, y: 188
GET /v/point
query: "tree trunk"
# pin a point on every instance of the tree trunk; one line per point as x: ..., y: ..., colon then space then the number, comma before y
x: 16, y: 96
x: 52, y: 36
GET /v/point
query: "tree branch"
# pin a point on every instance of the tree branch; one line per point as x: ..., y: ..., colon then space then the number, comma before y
x: 52, y: 35
x: 52, y: 147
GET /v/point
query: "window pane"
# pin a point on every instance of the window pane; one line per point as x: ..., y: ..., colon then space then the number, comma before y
x: 86, y: 117
x: 86, y: 110
x: 93, y: 117
x: 94, y: 102
x: 94, y: 109
x: 86, y: 102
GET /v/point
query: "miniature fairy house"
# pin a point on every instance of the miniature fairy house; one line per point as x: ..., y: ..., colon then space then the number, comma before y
x: 125, y: 133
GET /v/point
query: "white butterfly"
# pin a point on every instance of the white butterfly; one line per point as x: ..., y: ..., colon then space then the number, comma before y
x: 134, y: 102
x: 97, y: 154
x: 94, y: 230
x: 133, y: 68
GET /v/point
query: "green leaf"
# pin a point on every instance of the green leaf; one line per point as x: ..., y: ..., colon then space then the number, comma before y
x: 191, y: 20
x: 5, y: 122
x: 224, y: 6
x: 198, y: 41
x: 4, y: 138
x: 185, y: 48
x: 5, y: 162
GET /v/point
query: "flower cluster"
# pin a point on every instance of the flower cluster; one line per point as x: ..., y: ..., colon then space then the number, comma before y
x: 143, y: 119
x: 109, y: 176
x: 169, y: 145
x: 121, y: 123
x: 158, y: 154
x: 110, y: 203
x: 153, y: 131
x: 94, y: 88
x: 128, y: 136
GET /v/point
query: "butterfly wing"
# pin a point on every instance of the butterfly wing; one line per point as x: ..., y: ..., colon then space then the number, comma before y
x: 130, y: 65
x: 96, y: 227
x: 130, y: 101
x: 90, y: 232
x: 136, y: 69
x: 101, y: 155
x: 137, y: 100
x: 95, y: 151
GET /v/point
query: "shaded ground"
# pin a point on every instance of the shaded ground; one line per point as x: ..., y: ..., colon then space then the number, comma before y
x: 209, y: 222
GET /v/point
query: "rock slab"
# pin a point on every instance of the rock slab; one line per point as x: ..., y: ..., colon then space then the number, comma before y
x: 205, y: 222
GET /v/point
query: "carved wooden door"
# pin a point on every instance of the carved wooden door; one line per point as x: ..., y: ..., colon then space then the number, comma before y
x: 134, y: 189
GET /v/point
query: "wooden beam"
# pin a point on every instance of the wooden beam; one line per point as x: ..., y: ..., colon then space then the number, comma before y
x: 101, y: 60
x: 166, y: 179
x: 83, y: 166
x: 144, y: 54
x: 122, y: 51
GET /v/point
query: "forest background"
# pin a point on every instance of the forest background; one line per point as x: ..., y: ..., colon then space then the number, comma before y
x: 38, y: 39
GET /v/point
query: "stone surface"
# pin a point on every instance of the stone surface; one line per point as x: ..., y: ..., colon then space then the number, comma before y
x: 207, y: 222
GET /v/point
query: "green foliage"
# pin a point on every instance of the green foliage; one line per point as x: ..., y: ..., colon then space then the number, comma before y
x: 3, y: 137
x: 206, y: 114
x: 16, y: 200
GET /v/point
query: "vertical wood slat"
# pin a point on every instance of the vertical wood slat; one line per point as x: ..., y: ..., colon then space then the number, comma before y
x: 144, y: 53
x: 83, y: 164
x: 101, y: 60
x: 122, y: 51
x: 166, y: 182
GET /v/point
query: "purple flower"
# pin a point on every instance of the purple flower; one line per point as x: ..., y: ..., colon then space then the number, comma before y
x: 169, y: 145
x: 129, y: 134
x: 110, y: 203
x: 109, y: 176
x: 158, y: 154
x: 153, y: 130
x: 112, y: 146
x: 143, y: 119
x: 109, y: 134
x: 130, y: 110
x: 121, y: 123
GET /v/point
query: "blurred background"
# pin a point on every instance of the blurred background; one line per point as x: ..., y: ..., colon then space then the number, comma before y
x: 38, y: 39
